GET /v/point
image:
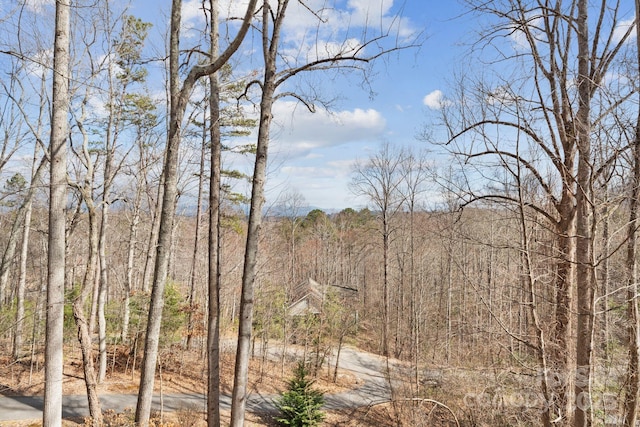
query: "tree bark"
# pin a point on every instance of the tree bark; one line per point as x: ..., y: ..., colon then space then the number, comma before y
x: 239, y: 396
x: 213, y: 318
x: 52, y: 414
x: 79, y: 303
x: 193, y: 276
x: 166, y: 218
x: 179, y: 98
x: 270, y: 50
x: 632, y: 384
x: 86, y: 286
x: 27, y: 207
x: 102, y: 289
x: 584, y: 216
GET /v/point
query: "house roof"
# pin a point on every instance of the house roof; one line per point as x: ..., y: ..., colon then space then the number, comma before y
x: 307, y: 297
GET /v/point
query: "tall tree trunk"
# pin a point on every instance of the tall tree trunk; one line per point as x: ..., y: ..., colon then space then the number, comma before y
x: 385, y: 285
x: 632, y: 384
x: 102, y: 291
x: 531, y: 297
x: 194, y: 255
x: 27, y: 207
x: 213, y: 318
x: 562, y: 360
x: 102, y: 243
x: 270, y: 50
x: 131, y: 249
x: 152, y: 242
x: 133, y: 236
x: 86, y: 194
x: 81, y: 319
x: 108, y: 175
x: 239, y: 396
x: 179, y: 98
x: 166, y: 218
x: 22, y: 283
x: 584, y: 216
x: 52, y: 414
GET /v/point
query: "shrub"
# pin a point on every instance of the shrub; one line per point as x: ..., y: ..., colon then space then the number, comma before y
x: 188, y: 416
x: 300, y: 404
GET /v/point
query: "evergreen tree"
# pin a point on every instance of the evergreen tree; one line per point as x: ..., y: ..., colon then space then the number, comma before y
x: 300, y: 405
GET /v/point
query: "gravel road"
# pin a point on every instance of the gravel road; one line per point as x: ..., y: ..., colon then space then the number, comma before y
x: 368, y: 369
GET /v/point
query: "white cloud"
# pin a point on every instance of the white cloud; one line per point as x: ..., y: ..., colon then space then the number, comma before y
x: 232, y: 8
x: 315, y: 20
x: 330, y: 170
x: 324, y: 185
x: 192, y: 10
x: 40, y: 64
x: 302, y: 131
x: 314, y: 28
x: 501, y: 95
x: 435, y: 100
x: 519, y: 40
x: 38, y: 6
x: 325, y: 49
x: 622, y: 28
x: 362, y: 8
x: 518, y: 37
x: 98, y: 107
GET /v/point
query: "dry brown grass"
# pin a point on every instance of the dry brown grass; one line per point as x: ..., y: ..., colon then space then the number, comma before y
x: 181, y: 372
x: 184, y: 372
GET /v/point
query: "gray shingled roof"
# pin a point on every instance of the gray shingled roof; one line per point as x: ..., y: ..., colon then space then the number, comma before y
x: 307, y: 297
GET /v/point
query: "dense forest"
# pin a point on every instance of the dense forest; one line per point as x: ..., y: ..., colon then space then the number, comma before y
x: 499, y: 249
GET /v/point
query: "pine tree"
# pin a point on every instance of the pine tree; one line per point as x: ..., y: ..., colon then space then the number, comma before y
x: 300, y: 405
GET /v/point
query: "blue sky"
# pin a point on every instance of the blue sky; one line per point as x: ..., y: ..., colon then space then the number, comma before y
x: 317, y: 151
x: 396, y: 113
x: 313, y: 154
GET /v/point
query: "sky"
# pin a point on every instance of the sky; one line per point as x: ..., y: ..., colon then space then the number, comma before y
x: 313, y: 153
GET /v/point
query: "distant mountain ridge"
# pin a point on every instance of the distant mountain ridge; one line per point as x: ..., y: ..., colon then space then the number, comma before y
x: 285, y: 211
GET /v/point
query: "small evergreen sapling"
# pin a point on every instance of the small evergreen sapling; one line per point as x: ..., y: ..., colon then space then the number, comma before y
x: 300, y: 405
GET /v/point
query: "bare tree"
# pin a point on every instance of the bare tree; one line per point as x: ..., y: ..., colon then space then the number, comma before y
x: 415, y: 174
x: 143, y: 118
x: 86, y: 195
x: 11, y: 135
x: 275, y: 74
x: 122, y: 104
x: 23, y: 216
x: 214, y: 256
x: 52, y: 414
x: 632, y: 388
x: 193, y: 276
x: 179, y: 94
x: 550, y: 112
x: 380, y: 180
x: 27, y: 207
